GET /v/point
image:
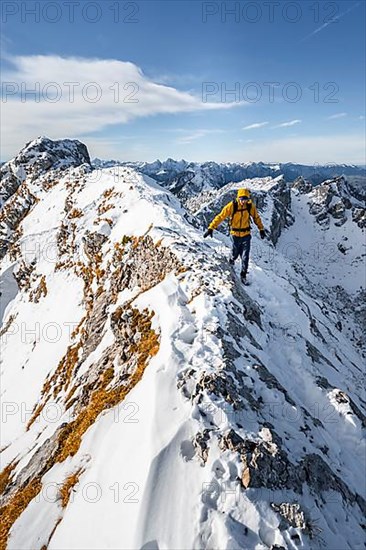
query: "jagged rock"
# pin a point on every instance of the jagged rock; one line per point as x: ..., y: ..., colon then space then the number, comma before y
x: 95, y: 323
x: 200, y: 444
x: 42, y: 154
x: 301, y: 185
x: 232, y: 441
x: 93, y: 243
x: 316, y: 472
x: 340, y: 222
x: 221, y: 385
x: 333, y: 198
x: 21, y: 179
x: 266, y: 465
x: 357, y: 186
x: 24, y: 275
x: 359, y: 217
x: 337, y: 209
x: 323, y: 219
x: 145, y: 265
x: 36, y: 158
x: 13, y: 212
x: 291, y: 514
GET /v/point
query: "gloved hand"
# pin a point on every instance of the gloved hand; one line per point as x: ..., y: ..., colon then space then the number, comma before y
x: 262, y: 233
x: 208, y: 233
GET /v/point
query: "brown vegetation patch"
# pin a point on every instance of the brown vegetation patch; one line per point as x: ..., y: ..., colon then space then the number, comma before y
x: 68, y: 486
x: 16, y: 505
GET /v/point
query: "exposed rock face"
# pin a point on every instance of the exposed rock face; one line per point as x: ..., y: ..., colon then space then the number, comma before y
x: 31, y: 172
x: 291, y: 514
x: 359, y: 217
x: 301, y: 185
x: 36, y: 158
x: 12, y: 213
x: 146, y: 264
x: 333, y: 199
x: 266, y: 465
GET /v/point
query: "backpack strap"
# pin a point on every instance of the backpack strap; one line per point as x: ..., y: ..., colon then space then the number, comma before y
x: 235, y: 209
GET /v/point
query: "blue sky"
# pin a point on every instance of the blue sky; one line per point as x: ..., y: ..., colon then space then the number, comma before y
x: 152, y: 79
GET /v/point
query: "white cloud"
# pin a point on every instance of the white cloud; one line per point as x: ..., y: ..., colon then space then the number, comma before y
x: 341, y: 148
x: 287, y: 124
x: 333, y: 20
x: 92, y: 94
x: 304, y: 150
x: 337, y: 115
x: 196, y: 134
x: 255, y: 125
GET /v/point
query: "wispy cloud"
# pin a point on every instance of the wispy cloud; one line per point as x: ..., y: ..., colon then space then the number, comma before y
x: 337, y: 115
x: 309, y: 149
x: 336, y: 18
x: 255, y: 125
x: 197, y: 134
x: 287, y: 124
x: 91, y: 94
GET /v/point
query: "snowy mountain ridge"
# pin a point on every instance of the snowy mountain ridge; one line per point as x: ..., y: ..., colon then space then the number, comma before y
x: 174, y: 174
x: 140, y: 378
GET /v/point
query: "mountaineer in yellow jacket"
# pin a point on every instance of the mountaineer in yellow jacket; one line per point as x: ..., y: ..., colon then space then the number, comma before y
x: 240, y: 211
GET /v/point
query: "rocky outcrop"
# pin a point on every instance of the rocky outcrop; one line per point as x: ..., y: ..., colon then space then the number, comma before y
x: 11, y: 215
x: 301, y: 185
x: 35, y: 169
x: 145, y: 264
x: 336, y: 199
x: 265, y: 465
x: 38, y: 157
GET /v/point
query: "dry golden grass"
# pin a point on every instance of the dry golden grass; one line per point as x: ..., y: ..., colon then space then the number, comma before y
x: 68, y: 486
x: 6, y: 327
x: 35, y: 415
x: 75, y: 213
x: 103, y: 208
x: 5, y: 475
x: 103, y: 398
x: 16, y: 505
x: 59, y: 380
x: 41, y: 290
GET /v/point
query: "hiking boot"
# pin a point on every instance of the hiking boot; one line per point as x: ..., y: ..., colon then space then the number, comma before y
x: 243, y: 276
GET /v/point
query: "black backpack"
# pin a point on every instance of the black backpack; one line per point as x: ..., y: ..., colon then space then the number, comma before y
x: 236, y: 205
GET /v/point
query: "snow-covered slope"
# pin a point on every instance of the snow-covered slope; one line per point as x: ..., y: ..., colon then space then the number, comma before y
x: 151, y: 401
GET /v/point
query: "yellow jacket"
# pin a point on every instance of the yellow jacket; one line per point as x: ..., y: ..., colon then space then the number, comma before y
x: 240, y: 222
